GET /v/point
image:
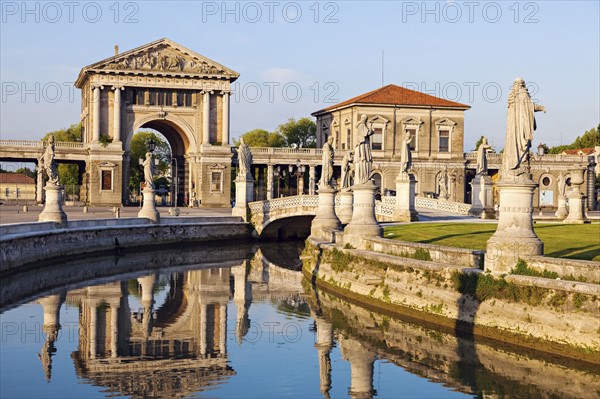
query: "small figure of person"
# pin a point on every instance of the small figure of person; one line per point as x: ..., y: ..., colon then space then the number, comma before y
x: 50, y: 163
x: 244, y: 159
x: 405, y: 154
x: 482, y: 150
x: 347, y: 170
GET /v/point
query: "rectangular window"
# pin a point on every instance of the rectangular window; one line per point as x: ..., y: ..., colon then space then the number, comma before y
x: 377, y: 139
x: 444, y: 141
x: 413, y: 142
x: 160, y: 100
x: 215, y: 181
x: 348, y: 135
x: 138, y: 97
x: 106, y: 180
x: 152, y: 97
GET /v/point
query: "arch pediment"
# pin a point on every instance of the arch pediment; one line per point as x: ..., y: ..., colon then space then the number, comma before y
x: 162, y: 58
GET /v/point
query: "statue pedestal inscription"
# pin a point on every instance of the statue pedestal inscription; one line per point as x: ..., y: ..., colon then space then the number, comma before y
x: 363, y: 223
x: 404, y: 210
x: 53, y: 211
x: 344, y: 211
x: 326, y: 217
x: 482, y: 197
x: 514, y: 238
x: 244, y: 193
x: 148, y: 210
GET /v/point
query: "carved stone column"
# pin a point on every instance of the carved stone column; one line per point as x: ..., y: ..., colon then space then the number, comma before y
x: 326, y: 217
x: 39, y: 185
x: 311, y: 180
x: 225, y: 140
x: 117, y: 114
x: 404, y: 209
x: 96, y: 115
x: 206, y: 118
x: 270, y: 182
x: 363, y: 223
x: 577, y: 199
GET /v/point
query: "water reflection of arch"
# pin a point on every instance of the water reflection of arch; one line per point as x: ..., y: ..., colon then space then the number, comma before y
x: 147, y: 353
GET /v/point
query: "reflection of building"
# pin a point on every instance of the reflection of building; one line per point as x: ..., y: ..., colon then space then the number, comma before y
x: 171, y: 350
x: 170, y: 345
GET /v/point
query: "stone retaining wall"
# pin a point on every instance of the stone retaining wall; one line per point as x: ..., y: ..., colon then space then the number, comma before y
x: 32, y: 242
x: 586, y: 269
x: 554, y: 315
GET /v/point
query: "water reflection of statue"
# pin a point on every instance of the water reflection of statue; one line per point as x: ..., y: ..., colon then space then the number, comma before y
x: 482, y: 150
x: 520, y: 125
x: 149, y: 170
x: 347, y: 170
x: 50, y: 163
x: 442, y: 182
x: 244, y: 159
x: 362, y: 152
x: 405, y: 154
x: 327, y: 163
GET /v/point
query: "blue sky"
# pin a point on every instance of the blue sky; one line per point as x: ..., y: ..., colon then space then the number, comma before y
x: 313, y: 54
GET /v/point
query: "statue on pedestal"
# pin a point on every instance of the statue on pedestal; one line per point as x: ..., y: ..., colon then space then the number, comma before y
x: 362, y: 152
x: 347, y: 170
x: 520, y: 125
x: 482, y: 150
x: 149, y: 171
x: 405, y: 154
x: 327, y: 163
x: 442, y: 182
x: 562, y: 185
x: 49, y: 162
x: 244, y: 159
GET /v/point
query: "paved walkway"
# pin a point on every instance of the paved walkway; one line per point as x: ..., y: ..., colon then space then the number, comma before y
x: 15, y: 214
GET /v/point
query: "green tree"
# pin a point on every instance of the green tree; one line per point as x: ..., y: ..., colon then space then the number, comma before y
x: 478, y: 143
x: 302, y: 132
x: 262, y: 138
x: 591, y: 138
x: 26, y: 172
x: 137, y: 150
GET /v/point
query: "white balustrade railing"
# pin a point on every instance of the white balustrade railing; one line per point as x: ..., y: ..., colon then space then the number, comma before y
x: 441, y: 205
x: 40, y: 144
x: 284, y: 203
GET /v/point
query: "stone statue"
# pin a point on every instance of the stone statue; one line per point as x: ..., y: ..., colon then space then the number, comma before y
x: 49, y: 162
x: 405, y: 154
x: 482, y: 150
x: 244, y: 159
x: 520, y: 125
x: 362, y: 152
x: 562, y: 185
x: 347, y: 170
x: 442, y: 182
x: 327, y: 163
x: 149, y: 170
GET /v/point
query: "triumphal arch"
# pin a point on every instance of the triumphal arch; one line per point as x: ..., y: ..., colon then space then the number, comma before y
x: 167, y: 87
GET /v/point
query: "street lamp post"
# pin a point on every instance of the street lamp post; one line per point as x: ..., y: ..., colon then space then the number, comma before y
x: 298, y: 171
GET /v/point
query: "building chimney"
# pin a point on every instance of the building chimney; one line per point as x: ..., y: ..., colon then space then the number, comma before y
x: 116, y: 49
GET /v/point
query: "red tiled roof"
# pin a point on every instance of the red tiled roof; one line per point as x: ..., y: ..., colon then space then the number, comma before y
x: 583, y: 151
x: 16, y: 178
x: 396, y: 95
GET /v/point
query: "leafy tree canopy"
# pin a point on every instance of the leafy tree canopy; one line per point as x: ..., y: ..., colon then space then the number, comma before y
x: 262, y: 138
x: 67, y: 173
x: 302, y: 132
x: 591, y: 138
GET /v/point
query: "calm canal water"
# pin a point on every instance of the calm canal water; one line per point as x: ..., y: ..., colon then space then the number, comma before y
x: 239, y: 322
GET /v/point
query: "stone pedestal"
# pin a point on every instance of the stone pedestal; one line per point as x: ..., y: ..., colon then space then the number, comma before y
x: 363, y: 223
x: 149, y: 208
x: 514, y: 238
x: 404, y: 210
x: 562, y: 210
x: 344, y: 211
x: 244, y: 193
x: 576, y: 207
x: 326, y: 217
x: 482, y: 197
x: 361, y: 368
x: 53, y: 211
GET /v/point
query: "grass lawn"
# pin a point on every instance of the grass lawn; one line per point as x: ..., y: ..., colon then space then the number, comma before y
x: 560, y: 240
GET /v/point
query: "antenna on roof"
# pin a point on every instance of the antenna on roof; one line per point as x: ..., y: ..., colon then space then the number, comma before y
x: 382, y: 52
